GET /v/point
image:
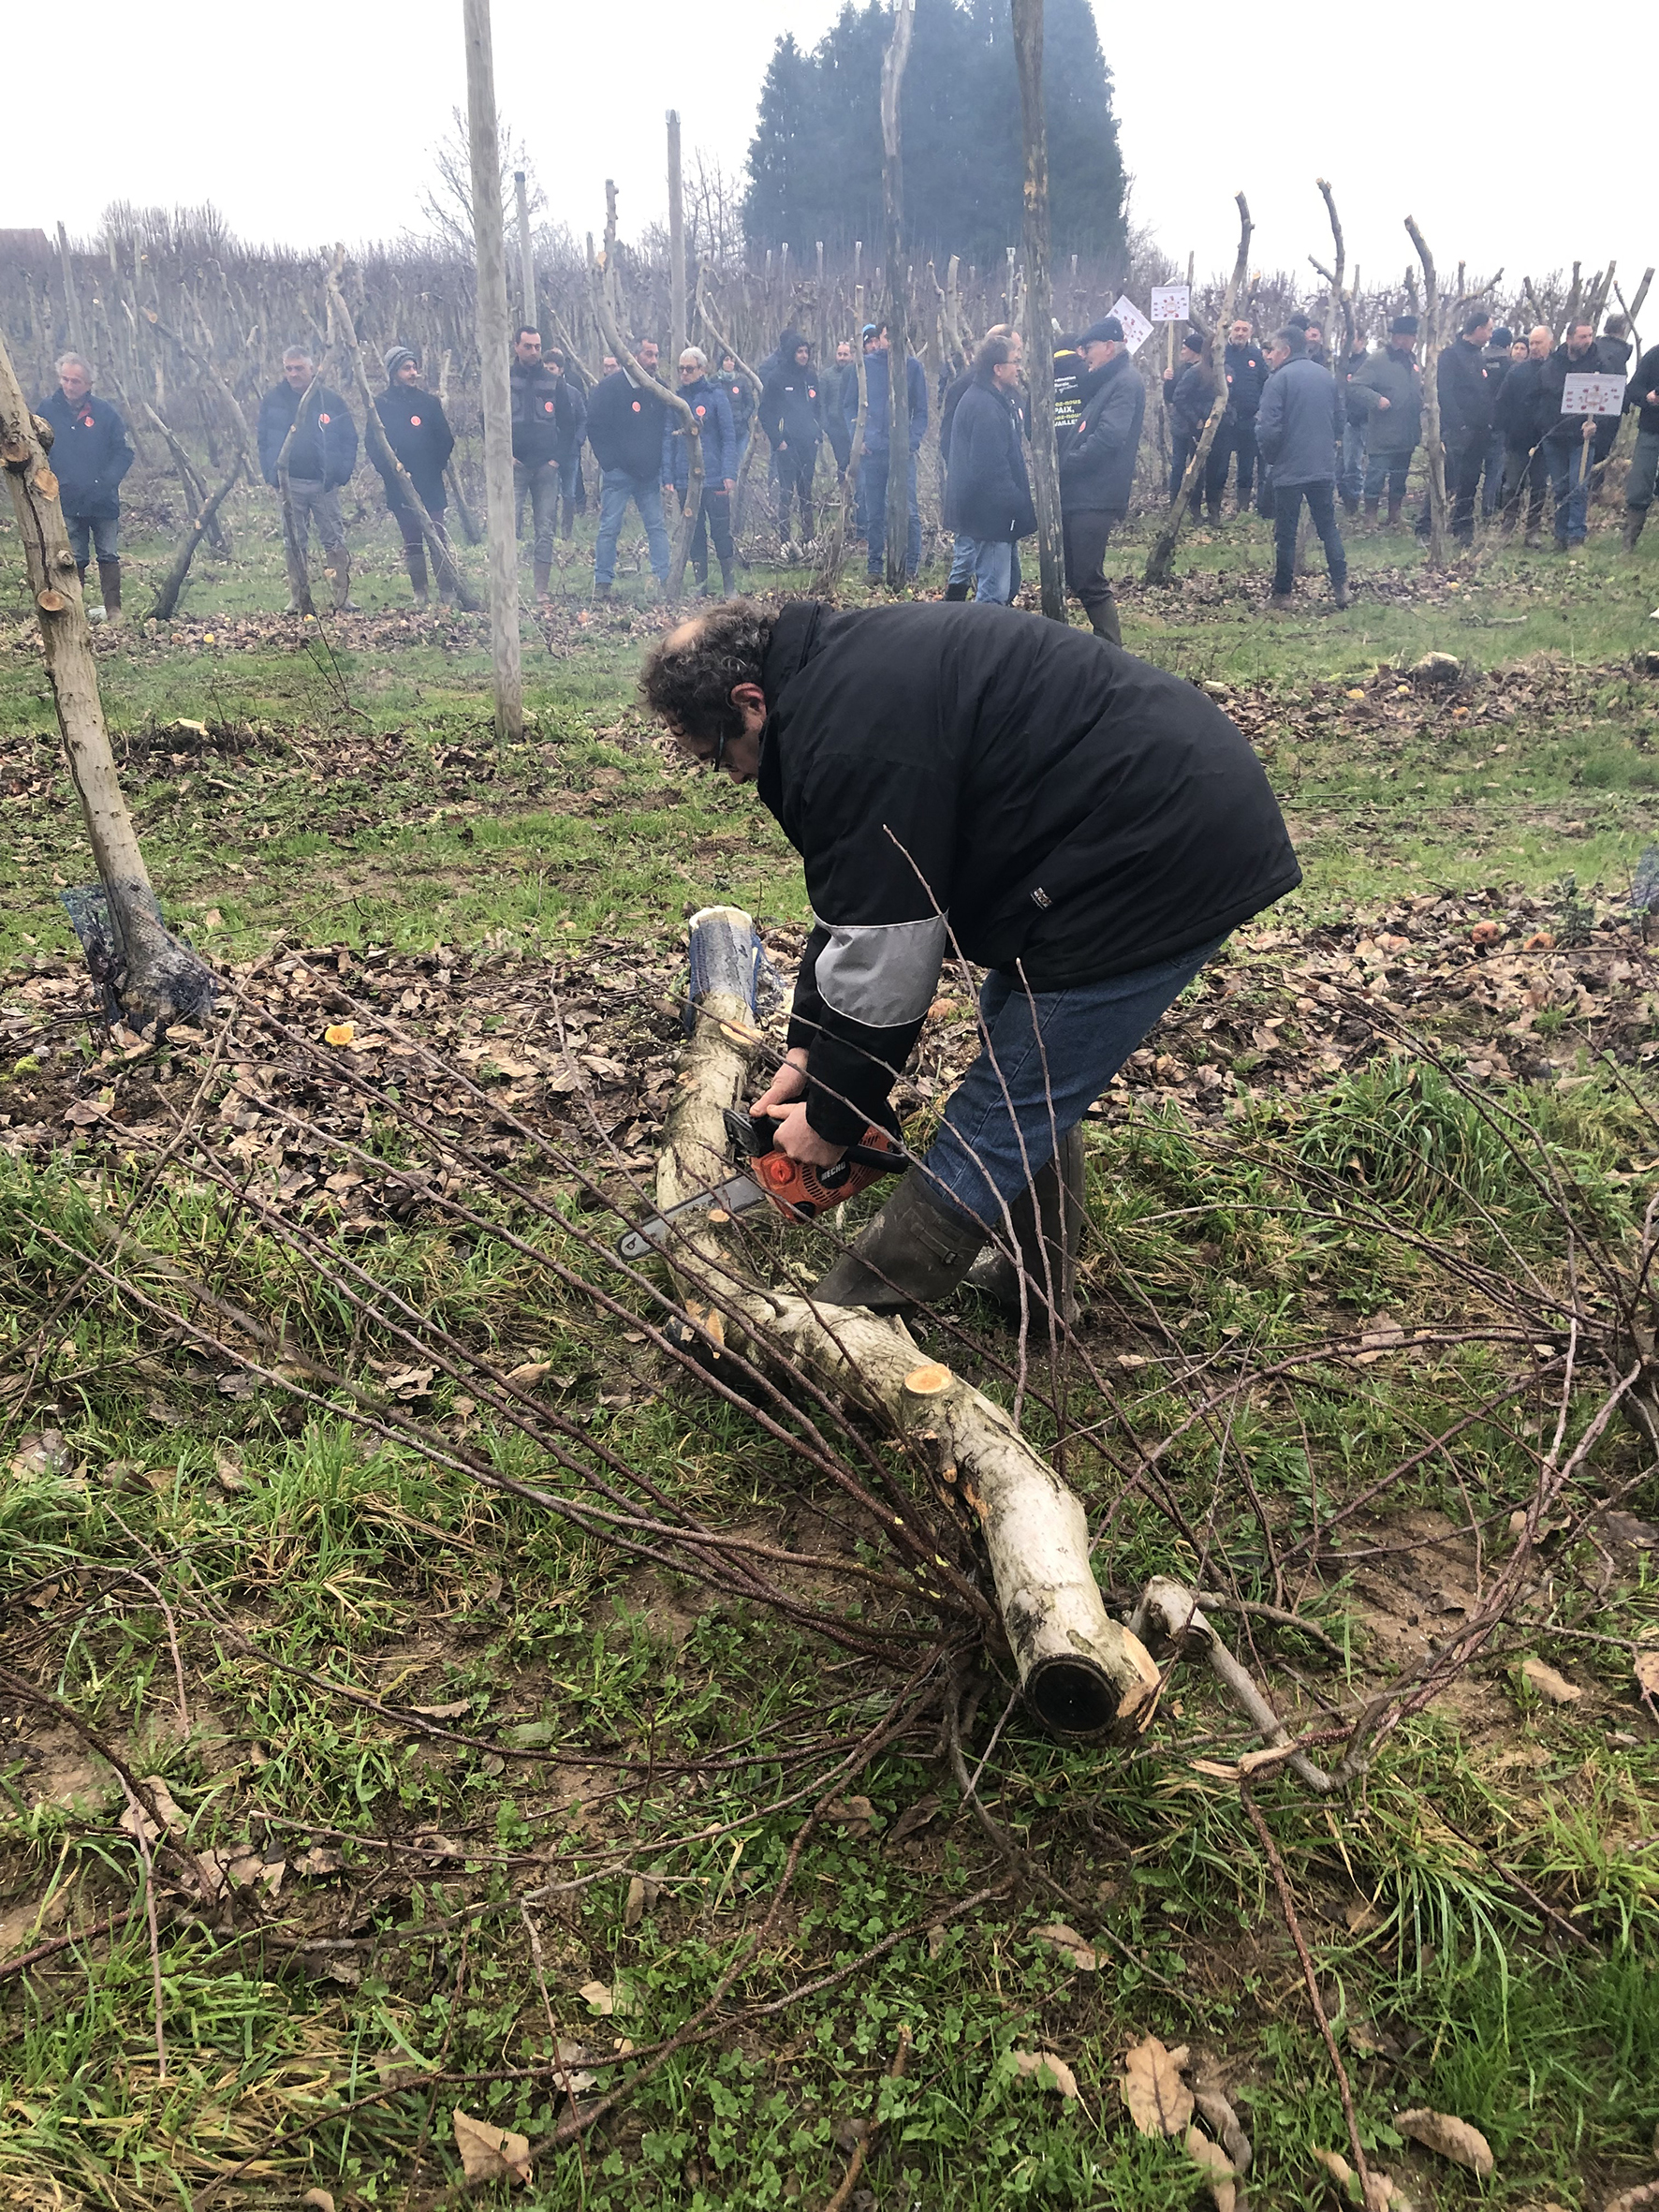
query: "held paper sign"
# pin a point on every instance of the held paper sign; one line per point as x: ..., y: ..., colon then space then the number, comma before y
x: 1137, y: 330
x: 1591, y: 395
x: 1171, y: 302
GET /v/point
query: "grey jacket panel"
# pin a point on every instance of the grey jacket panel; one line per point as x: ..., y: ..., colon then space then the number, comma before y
x: 883, y: 974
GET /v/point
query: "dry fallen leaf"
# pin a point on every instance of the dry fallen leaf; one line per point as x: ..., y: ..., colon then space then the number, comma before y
x: 489, y: 2153
x: 1081, y: 1953
x: 643, y: 1893
x: 938, y: 1938
x: 1548, y: 1684
x: 1645, y: 1667
x: 1159, y: 2101
x: 1452, y: 2138
x: 318, y: 2200
x: 915, y: 1818
x: 1218, y: 2169
x: 167, y: 1811
x: 1643, y: 2199
x: 1048, y: 2071
x: 856, y: 1816
x: 598, y: 1995
x: 452, y: 1711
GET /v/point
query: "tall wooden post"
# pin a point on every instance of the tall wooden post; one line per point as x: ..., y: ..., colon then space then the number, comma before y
x: 1039, y: 309
x: 892, y: 192
x: 1433, y: 453
x: 677, y: 338
x: 526, y: 252
x: 493, y: 372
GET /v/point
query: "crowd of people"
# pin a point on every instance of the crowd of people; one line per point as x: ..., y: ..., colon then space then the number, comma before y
x: 1289, y: 425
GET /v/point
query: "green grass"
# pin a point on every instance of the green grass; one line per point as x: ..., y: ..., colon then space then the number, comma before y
x: 359, y: 799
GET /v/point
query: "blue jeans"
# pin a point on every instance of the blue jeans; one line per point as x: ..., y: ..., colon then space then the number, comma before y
x: 1352, y: 478
x: 1045, y: 1057
x: 1644, y: 469
x: 1287, y: 508
x: 1390, y: 468
x: 616, y: 488
x: 872, y: 492
x: 90, y: 532
x: 991, y: 562
x: 1569, y: 463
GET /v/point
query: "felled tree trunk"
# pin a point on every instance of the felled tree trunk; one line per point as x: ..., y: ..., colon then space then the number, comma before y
x: 1161, y: 560
x: 1082, y: 1673
x: 155, y: 980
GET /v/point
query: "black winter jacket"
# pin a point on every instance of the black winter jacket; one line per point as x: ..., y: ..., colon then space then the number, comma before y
x: 1188, y: 394
x: 626, y: 425
x: 1465, y: 396
x: 1098, y: 456
x: 876, y: 416
x: 792, y: 409
x: 988, y: 494
x: 324, y: 445
x: 1645, y: 383
x: 418, y: 433
x: 90, y: 454
x: 1246, y: 371
x: 1567, y: 429
x: 947, y: 406
x: 1298, y: 425
x: 741, y: 400
x: 1061, y: 805
x: 550, y: 417
x: 1517, y: 412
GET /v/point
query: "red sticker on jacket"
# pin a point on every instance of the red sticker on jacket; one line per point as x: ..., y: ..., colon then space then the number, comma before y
x: 325, y: 417
x: 547, y: 407
x: 414, y: 423
x: 635, y: 406
x: 700, y: 414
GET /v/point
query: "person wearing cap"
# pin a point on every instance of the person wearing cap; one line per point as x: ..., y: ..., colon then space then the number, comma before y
x: 1299, y: 431
x: 320, y: 458
x: 546, y: 426
x: 1518, y: 419
x: 707, y: 402
x: 792, y: 417
x: 873, y: 474
x: 1245, y: 368
x: 1189, y: 389
x: 1386, y: 394
x: 1497, y: 358
x: 418, y: 434
x: 90, y: 456
x: 625, y: 429
x: 1098, y: 455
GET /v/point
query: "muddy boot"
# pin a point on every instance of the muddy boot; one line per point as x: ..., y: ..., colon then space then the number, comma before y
x: 912, y: 1254
x: 344, y: 603
x: 1104, y: 622
x: 1634, y: 519
x: 700, y: 578
x: 414, y: 561
x: 1341, y: 593
x: 1049, y: 1236
x: 541, y: 575
x: 729, y: 580
x: 958, y: 591
x: 110, y: 584
x: 1394, y: 508
x: 1371, y: 512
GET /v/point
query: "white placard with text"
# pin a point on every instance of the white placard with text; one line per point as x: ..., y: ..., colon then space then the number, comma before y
x: 1172, y: 303
x: 1137, y: 330
x: 1598, y: 394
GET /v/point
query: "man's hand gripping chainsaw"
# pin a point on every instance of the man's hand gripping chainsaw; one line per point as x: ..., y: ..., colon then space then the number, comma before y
x: 772, y: 1178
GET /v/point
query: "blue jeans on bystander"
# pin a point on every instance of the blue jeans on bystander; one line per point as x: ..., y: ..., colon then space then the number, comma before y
x: 616, y: 488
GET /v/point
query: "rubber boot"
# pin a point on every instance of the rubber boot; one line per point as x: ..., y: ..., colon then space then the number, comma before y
x: 1341, y: 593
x: 414, y: 561
x: 1634, y: 519
x: 110, y: 584
x: 541, y: 574
x: 344, y: 603
x: 959, y: 591
x: 1104, y: 622
x: 1371, y: 512
x: 700, y: 578
x: 1394, y: 508
x: 912, y: 1254
x: 729, y: 580
x: 1048, y: 1236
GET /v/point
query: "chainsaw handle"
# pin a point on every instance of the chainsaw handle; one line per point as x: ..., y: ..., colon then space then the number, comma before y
x: 754, y: 1134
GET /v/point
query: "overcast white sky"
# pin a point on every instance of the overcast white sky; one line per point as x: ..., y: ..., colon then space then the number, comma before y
x: 308, y: 126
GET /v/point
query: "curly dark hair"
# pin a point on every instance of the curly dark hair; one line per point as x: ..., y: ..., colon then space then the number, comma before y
x: 689, y: 677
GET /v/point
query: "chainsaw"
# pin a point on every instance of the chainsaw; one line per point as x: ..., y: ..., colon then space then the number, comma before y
x: 772, y: 1178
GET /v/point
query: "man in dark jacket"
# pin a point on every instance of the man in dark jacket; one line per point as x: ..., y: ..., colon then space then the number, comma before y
x: 1642, y: 393
x: 626, y: 430
x: 549, y: 425
x: 707, y: 402
x: 872, y: 475
x: 1572, y: 443
x: 320, y: 458
x: 962, y: 557
x: 979, y: 781
x: 90, y: 456
x: 1388, y: 393
x: 1465, y: 417
x: 418, y: 433
x: 1299, y: 431
x: 741, y: 400
x: 1614, y: 346
x: 1189, y: 389
x: 1498, y: 351
x: 840, y: 405
x: 1517, y: 417
x: 1247, y: 372
x: 1098, y: 456
x: 988, y: 498
x: 792, y: 417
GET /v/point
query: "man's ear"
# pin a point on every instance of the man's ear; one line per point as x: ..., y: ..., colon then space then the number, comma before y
x: 748, y: 699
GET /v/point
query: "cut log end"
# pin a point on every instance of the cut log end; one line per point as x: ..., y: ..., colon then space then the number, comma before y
x: 51, y: 603
x: 928, y: 1381
x: 1079, y: 1700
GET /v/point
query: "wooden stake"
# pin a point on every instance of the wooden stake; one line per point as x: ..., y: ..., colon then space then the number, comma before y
x: 678, y: 327
x: 1039, y: 310
x: 1433, y: 454
x: 157, y: 980
x: 892, y: 192
x: 493, y: 373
